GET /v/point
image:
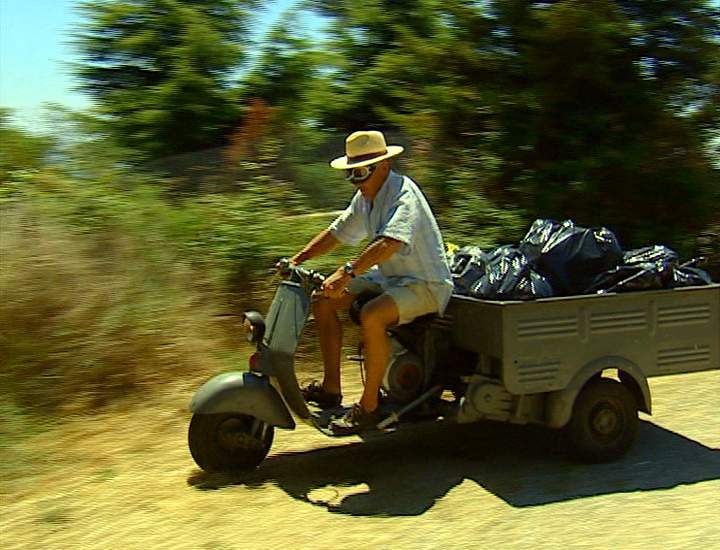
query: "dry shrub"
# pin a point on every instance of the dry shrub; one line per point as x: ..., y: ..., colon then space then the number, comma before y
x: 251, y: 130
x: 87, y: 318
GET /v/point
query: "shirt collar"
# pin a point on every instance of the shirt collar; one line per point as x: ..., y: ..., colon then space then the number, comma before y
x: 389, y: 182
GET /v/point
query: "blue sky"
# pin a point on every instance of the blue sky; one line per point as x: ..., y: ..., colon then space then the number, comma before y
x: 34, y: 51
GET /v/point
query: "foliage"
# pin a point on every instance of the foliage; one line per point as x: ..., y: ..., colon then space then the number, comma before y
x: 160, y: 70
x: 110, y: 289
x: 600, y: 139
x: 361, y: 36
x: 466, y: 215
x: 286, y: 74
x: 596, y: 111
x: 21, y: 151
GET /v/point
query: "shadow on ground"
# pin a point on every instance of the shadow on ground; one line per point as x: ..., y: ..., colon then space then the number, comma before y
x: 408, y: 471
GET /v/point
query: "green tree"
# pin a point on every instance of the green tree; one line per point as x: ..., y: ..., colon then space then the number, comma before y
x: 605, y: 113
x: 428, y: 69
x: 599, y: 111
x: 161, y: 71
x: 287, y: 73
x: 361, y: 35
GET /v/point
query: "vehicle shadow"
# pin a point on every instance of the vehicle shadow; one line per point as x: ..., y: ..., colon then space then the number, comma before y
x: 406, y: 472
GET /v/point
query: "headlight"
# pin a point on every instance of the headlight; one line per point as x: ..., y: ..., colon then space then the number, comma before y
x: 253, y: 326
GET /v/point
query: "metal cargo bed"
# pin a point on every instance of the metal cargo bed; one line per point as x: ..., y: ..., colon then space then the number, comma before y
x: 538, y: 346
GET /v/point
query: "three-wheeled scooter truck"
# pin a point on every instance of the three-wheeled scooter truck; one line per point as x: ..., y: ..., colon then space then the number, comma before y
x: 582, y: 362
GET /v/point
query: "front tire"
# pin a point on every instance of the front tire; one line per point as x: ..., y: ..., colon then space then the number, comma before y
x: 604, y: 421
x: 229, y: 441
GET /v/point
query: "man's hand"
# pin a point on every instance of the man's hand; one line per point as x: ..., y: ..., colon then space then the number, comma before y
x: 282, y: 267
x: 336, y: 284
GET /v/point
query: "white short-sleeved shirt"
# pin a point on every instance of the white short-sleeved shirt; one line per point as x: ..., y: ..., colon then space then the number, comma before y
x: 400, y: 211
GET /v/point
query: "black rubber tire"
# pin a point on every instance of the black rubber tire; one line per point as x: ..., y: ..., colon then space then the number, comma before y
x: 228, y: 442
x: 604, y: 422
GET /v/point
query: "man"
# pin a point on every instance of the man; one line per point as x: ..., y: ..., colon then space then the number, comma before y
x: 405, y: 260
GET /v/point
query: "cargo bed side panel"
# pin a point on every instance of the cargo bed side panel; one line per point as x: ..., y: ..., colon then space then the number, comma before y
x: 543, y: 344
x: 476, y: 325
x: 661, y: 332
x: 687, y: 333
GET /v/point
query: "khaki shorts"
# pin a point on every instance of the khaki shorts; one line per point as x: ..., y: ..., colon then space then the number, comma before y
x: 413, y: 299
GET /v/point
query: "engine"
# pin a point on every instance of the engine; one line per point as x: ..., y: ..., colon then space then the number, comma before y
x: 405, y: 374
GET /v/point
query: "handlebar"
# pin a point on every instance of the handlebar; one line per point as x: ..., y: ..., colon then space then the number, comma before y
x: 313, y: 279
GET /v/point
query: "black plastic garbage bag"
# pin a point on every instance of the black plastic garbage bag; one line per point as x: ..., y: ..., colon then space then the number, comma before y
x: 505, y: 268
x: 646, y: 268
x: 658, y: 254
x: 630, y: 277
x: 467, y: 266
x: 532, y: 286
x: 539, y: 234
x: 508, y: 276
x: 570, y: 257
x: 690, y: 276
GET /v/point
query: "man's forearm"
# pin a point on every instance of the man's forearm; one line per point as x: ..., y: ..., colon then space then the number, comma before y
x: 322, y: 243
x: 375, y: 253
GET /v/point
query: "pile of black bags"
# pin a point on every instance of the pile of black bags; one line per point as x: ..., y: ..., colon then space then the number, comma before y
x: 562, y: 259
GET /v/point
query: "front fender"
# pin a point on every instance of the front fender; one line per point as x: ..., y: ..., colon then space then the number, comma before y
x: 244, y: 393
x: 559, y: 404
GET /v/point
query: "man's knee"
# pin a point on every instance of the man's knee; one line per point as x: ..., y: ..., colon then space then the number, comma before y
x: 325, y: 308
x: 379, y: 313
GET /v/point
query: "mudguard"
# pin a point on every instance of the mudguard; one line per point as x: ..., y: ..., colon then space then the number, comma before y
x: 244, y: 393
x: 559, y: 404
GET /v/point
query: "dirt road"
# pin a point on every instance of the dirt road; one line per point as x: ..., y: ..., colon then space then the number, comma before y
x: 125, y: 480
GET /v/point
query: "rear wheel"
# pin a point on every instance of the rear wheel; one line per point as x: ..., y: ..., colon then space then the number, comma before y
x: 229, y: 442
x: 604, y: 421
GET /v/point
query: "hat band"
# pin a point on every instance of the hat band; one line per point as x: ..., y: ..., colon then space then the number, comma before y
x: 362, y: 158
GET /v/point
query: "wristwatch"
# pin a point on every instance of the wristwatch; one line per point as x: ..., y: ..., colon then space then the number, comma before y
x: 348, y: 268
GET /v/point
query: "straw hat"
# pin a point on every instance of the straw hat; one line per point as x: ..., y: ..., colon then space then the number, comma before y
x: 364, y: 148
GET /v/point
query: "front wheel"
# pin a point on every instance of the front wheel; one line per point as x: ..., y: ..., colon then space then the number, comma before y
x: 228, y: 441
x: 604, y: 421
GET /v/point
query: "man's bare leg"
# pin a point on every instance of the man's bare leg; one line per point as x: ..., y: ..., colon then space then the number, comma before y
x: 330, y: 335
x: 375, y: 317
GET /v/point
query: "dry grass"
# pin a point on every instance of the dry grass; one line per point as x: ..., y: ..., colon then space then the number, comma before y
x: 88, y: 318
x: 108, y: 289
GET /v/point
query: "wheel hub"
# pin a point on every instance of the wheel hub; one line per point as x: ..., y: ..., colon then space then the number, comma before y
x: 234, y: 434
x: 605, y: 421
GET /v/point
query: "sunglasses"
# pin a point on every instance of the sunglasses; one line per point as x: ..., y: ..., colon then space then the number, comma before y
x: 359, y: 175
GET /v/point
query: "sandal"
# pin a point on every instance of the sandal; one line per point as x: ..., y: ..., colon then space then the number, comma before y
x: 356, y: 420
x: 314, y: 393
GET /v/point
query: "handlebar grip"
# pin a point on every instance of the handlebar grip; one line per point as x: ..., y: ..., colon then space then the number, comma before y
x: 287, y: 269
